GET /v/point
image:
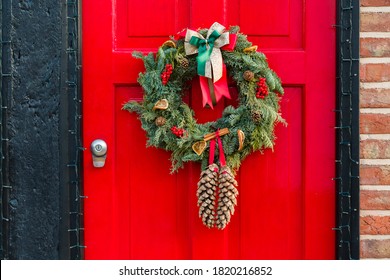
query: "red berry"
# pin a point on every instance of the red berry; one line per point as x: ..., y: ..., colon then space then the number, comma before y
x: 262, y: 90
x: 178, y: 132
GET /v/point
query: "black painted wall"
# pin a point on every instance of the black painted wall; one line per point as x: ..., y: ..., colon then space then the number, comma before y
x: 33, y: 127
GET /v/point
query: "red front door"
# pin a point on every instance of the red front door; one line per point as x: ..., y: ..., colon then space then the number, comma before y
x: 136, y: 210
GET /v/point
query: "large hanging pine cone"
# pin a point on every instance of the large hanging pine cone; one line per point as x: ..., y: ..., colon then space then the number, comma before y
x: 207, y: 191
x: 227, y: 197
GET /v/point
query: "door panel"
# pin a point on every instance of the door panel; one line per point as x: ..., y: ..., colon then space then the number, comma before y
x: 137, y: 210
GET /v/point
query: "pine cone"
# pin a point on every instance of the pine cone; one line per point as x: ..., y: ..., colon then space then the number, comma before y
x: 160, y: 121
x: 184, y: 62
x: 256, y: 116
x: 248, y: 75
x: 227, y: 197
x: 207, y: 190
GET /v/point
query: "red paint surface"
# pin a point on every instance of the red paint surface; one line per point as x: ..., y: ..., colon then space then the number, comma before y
x: 136, y: 210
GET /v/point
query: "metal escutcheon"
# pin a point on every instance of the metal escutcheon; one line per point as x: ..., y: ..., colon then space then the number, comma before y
x: 99, y: 152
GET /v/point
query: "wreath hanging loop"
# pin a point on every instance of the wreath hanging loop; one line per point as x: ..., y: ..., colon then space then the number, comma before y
x: 170, y: 124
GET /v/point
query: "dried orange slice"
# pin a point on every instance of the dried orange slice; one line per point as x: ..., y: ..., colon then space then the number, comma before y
x: 250, y: 49
x: 199, y: 147
x: 161, y: 105
x: 241, y: 139
x: 169, y: 44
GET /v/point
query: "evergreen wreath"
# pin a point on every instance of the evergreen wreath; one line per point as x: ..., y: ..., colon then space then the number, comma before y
x: 170, y: 123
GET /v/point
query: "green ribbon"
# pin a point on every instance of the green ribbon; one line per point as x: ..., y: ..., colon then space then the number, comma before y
x: 205, y: 48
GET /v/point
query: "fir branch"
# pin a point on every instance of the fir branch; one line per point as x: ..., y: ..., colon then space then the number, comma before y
x: 133, y: 106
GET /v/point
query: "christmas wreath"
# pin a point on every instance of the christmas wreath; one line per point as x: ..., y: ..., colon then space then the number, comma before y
x: 221, y: 145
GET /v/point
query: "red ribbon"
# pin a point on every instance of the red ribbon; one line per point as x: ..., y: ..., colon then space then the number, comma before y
x: 212, y: 151
x: 213, y: 92
x: 222, y: 160
x: 232, y: 43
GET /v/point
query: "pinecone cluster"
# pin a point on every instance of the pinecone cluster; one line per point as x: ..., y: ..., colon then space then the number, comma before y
x: 210, y: 179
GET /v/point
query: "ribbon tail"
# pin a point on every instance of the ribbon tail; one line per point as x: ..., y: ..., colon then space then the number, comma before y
x: 221, y: 86
x: 212, y: 151
x: 213, y: 92
x: 222, y: 159
x: 232, y: 43
x: 206, y: 97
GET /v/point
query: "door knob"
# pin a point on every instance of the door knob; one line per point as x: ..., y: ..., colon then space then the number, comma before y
x: 99, y: 152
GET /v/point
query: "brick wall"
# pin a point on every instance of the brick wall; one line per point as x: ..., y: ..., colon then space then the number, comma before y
x: 375, y: 128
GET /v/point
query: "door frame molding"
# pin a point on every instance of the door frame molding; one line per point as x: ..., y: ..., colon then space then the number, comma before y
x: 71, y: 150
x: 347, y: 133
x: 6, y: 93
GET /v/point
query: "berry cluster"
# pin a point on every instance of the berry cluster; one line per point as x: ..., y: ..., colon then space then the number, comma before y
x: 262, y: 90
x: 166, y: 74
x: 179, y: 132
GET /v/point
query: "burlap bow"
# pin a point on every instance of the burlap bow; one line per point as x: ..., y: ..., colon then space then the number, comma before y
x: 210, y: 63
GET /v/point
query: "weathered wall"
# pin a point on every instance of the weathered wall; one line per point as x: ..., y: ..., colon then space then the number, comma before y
x: 375, y: 128
x: 33, y: 128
